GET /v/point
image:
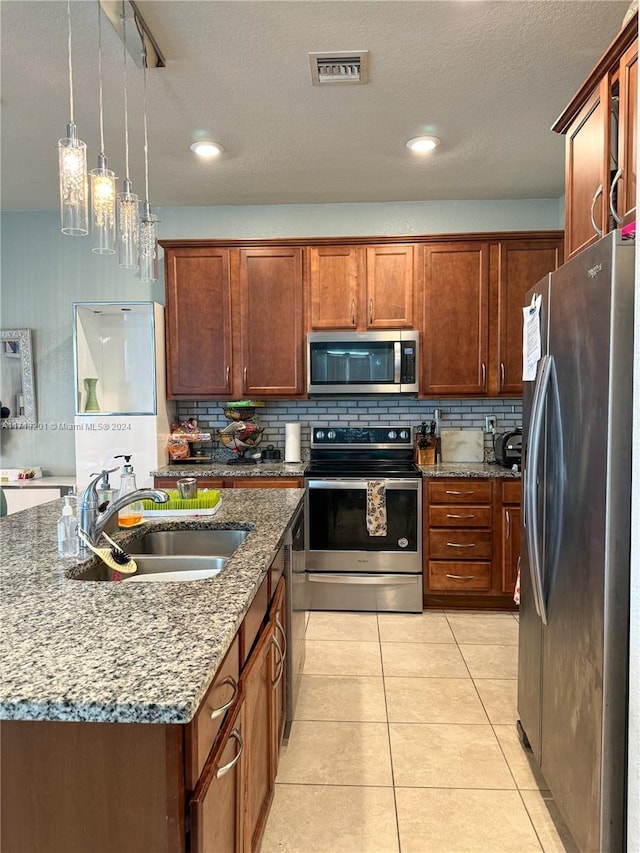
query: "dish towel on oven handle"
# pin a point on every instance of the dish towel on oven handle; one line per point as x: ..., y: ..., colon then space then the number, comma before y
x: 376, y: 508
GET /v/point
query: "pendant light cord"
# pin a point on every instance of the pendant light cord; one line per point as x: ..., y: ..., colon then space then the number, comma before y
x: 100, y: 77
x: 126, y: 120
x: 146, y: 141
x: 70, y: 63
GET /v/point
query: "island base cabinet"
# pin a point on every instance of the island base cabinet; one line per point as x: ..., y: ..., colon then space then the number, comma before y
x: 75, y: 787
x: 216, y: 807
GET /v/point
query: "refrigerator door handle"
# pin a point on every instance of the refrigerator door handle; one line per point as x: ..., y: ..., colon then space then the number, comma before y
x: 530, y: 483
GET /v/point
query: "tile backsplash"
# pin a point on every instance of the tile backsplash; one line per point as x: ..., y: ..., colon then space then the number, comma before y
x: 463, y: 413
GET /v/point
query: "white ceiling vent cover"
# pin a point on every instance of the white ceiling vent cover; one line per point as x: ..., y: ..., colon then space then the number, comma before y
x: 341, y: 66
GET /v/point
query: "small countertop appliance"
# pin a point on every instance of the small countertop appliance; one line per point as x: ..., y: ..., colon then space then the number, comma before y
x: 507, y: 447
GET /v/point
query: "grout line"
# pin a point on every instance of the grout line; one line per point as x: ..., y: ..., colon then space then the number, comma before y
x: 386, y: 708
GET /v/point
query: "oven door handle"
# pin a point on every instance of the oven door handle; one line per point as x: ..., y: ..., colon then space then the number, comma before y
x: 368, y: 580
x: 340, y: 483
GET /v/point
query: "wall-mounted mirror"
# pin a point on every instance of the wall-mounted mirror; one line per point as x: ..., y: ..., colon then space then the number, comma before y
x: 17, y: 391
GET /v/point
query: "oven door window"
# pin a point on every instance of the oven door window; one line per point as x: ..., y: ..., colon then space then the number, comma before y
x: 338, y: 519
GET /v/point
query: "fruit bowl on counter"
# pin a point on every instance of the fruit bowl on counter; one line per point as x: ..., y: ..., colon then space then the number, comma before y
x: 241, y: 436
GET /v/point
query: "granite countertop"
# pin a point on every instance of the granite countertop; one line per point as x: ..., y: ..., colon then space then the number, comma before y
x: 224, y: 469
x: 118, y: 652
x: 47, y: 481
x: 469, y: 469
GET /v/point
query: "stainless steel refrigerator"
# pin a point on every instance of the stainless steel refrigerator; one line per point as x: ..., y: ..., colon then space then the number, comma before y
x: 574, y: 623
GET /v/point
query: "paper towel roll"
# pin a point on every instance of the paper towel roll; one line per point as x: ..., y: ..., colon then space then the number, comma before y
x: 292, y: 442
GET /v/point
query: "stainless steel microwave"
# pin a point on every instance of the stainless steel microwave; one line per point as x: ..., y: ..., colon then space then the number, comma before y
x: 353, y: 363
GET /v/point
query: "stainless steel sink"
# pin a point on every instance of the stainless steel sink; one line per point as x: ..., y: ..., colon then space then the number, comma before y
x: 160, y: 569
x: 188, y: 542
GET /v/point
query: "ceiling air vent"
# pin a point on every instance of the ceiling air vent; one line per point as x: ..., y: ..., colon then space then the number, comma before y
x: 342, y: 66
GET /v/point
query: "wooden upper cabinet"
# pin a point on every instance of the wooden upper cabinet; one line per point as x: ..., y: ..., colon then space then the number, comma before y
x: 198, y: 322
x: 333, y: 287
x: 362, y: 287
x: 271, y: 332
x: 600, y: 158
x: 455, y: 331
x: 627, y: 133
x: 521, y: 264
x: 587, y: 173
x: 389, y: 299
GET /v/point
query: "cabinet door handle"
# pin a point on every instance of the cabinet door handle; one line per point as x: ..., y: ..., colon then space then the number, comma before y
x: 597, y: 193
x: 502, y: 375
x: 454, y: 492
x: 227, y: 376
x: 483, y: 368
x: 284, y: 638
x: 507, y: 515
x: 244, y: 379
x: 371, y: 312
x: 461, y: 577
x: 222, y: 771
x: 454, y: 515
x: 280, y: 663
x: 218, y: 712
x: 616, y: 178
x: 353, y: 312
x: 458, y: 545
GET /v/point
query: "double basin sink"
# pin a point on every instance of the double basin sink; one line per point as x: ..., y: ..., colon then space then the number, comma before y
x: 174, y: 555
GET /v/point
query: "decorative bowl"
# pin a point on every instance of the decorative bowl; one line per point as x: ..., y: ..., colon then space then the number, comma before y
x: 240, y: 435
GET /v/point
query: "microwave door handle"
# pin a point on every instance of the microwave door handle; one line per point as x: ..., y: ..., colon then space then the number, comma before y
x: 397, y: 362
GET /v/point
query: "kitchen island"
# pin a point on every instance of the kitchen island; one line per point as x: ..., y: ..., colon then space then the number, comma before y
x: 107, y: 740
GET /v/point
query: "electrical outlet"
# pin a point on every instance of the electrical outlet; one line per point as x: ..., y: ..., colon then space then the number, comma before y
x: 490, y: 423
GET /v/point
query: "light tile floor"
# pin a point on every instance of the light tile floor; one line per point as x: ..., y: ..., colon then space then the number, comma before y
x: 404, y: 741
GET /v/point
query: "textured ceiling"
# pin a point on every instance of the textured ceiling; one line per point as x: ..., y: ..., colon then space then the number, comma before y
x: 489, y: 78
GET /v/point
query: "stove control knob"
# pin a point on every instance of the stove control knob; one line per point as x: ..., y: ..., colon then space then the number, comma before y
x: 392, y: 434
x: 320, y: 434
x: 404, y: 435
x: 331, y: 434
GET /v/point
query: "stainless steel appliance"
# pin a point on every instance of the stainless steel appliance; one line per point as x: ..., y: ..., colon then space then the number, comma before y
x: 348, y: 568
x: 357, y: 363
x: 294, y: 567
x: 574, y: 623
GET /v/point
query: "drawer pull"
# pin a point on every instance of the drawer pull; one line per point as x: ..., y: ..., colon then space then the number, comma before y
x: 453, y: 515
x: 458, y: 545
x: 461, y: 577
x: 218, y: 712
x: 222, y: 771
x: 280, y: 663
x: 508, y: 518
x: 454, y: 492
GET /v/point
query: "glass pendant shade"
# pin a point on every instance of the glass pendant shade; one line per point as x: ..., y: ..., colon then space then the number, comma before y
x: 103, y: 209
x: 74, y: 190
x: 148, y: 251
x: 128, y: 227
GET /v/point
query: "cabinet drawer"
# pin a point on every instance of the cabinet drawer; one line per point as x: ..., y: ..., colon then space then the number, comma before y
x: 268, y: 483
x: 460, y: 544
x: 468, y: 491
x: 202, y: 730
x: 253, y: 620
x: 451, y: 576
x: 512, y: 492
x: 457, y: 516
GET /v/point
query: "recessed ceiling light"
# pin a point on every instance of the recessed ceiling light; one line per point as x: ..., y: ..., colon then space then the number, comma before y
x: 423, y: 144
x: 206, y: 148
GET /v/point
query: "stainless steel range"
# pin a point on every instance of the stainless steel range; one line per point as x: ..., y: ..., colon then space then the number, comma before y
x: 363, y: 520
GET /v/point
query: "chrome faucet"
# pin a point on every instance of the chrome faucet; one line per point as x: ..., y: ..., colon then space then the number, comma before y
x: 94, y: 519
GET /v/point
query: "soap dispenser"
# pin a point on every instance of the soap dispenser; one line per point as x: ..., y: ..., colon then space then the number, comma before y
x: 130, y: 515
x: 106, y: 494
x: 68, y: 542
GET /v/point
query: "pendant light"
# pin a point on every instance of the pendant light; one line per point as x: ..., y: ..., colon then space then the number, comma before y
x: 127, y: 201
x: 148, y: 250
x: 72, y: 163
x: 103, y: 182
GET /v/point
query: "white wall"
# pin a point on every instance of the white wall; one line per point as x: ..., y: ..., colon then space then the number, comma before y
x: 43, y: 273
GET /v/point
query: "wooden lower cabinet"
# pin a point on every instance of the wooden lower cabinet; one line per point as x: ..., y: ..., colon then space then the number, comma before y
x: 216, y: 807
x: 465, y: 544
x: 203, y: 787
x: 235, y: 482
